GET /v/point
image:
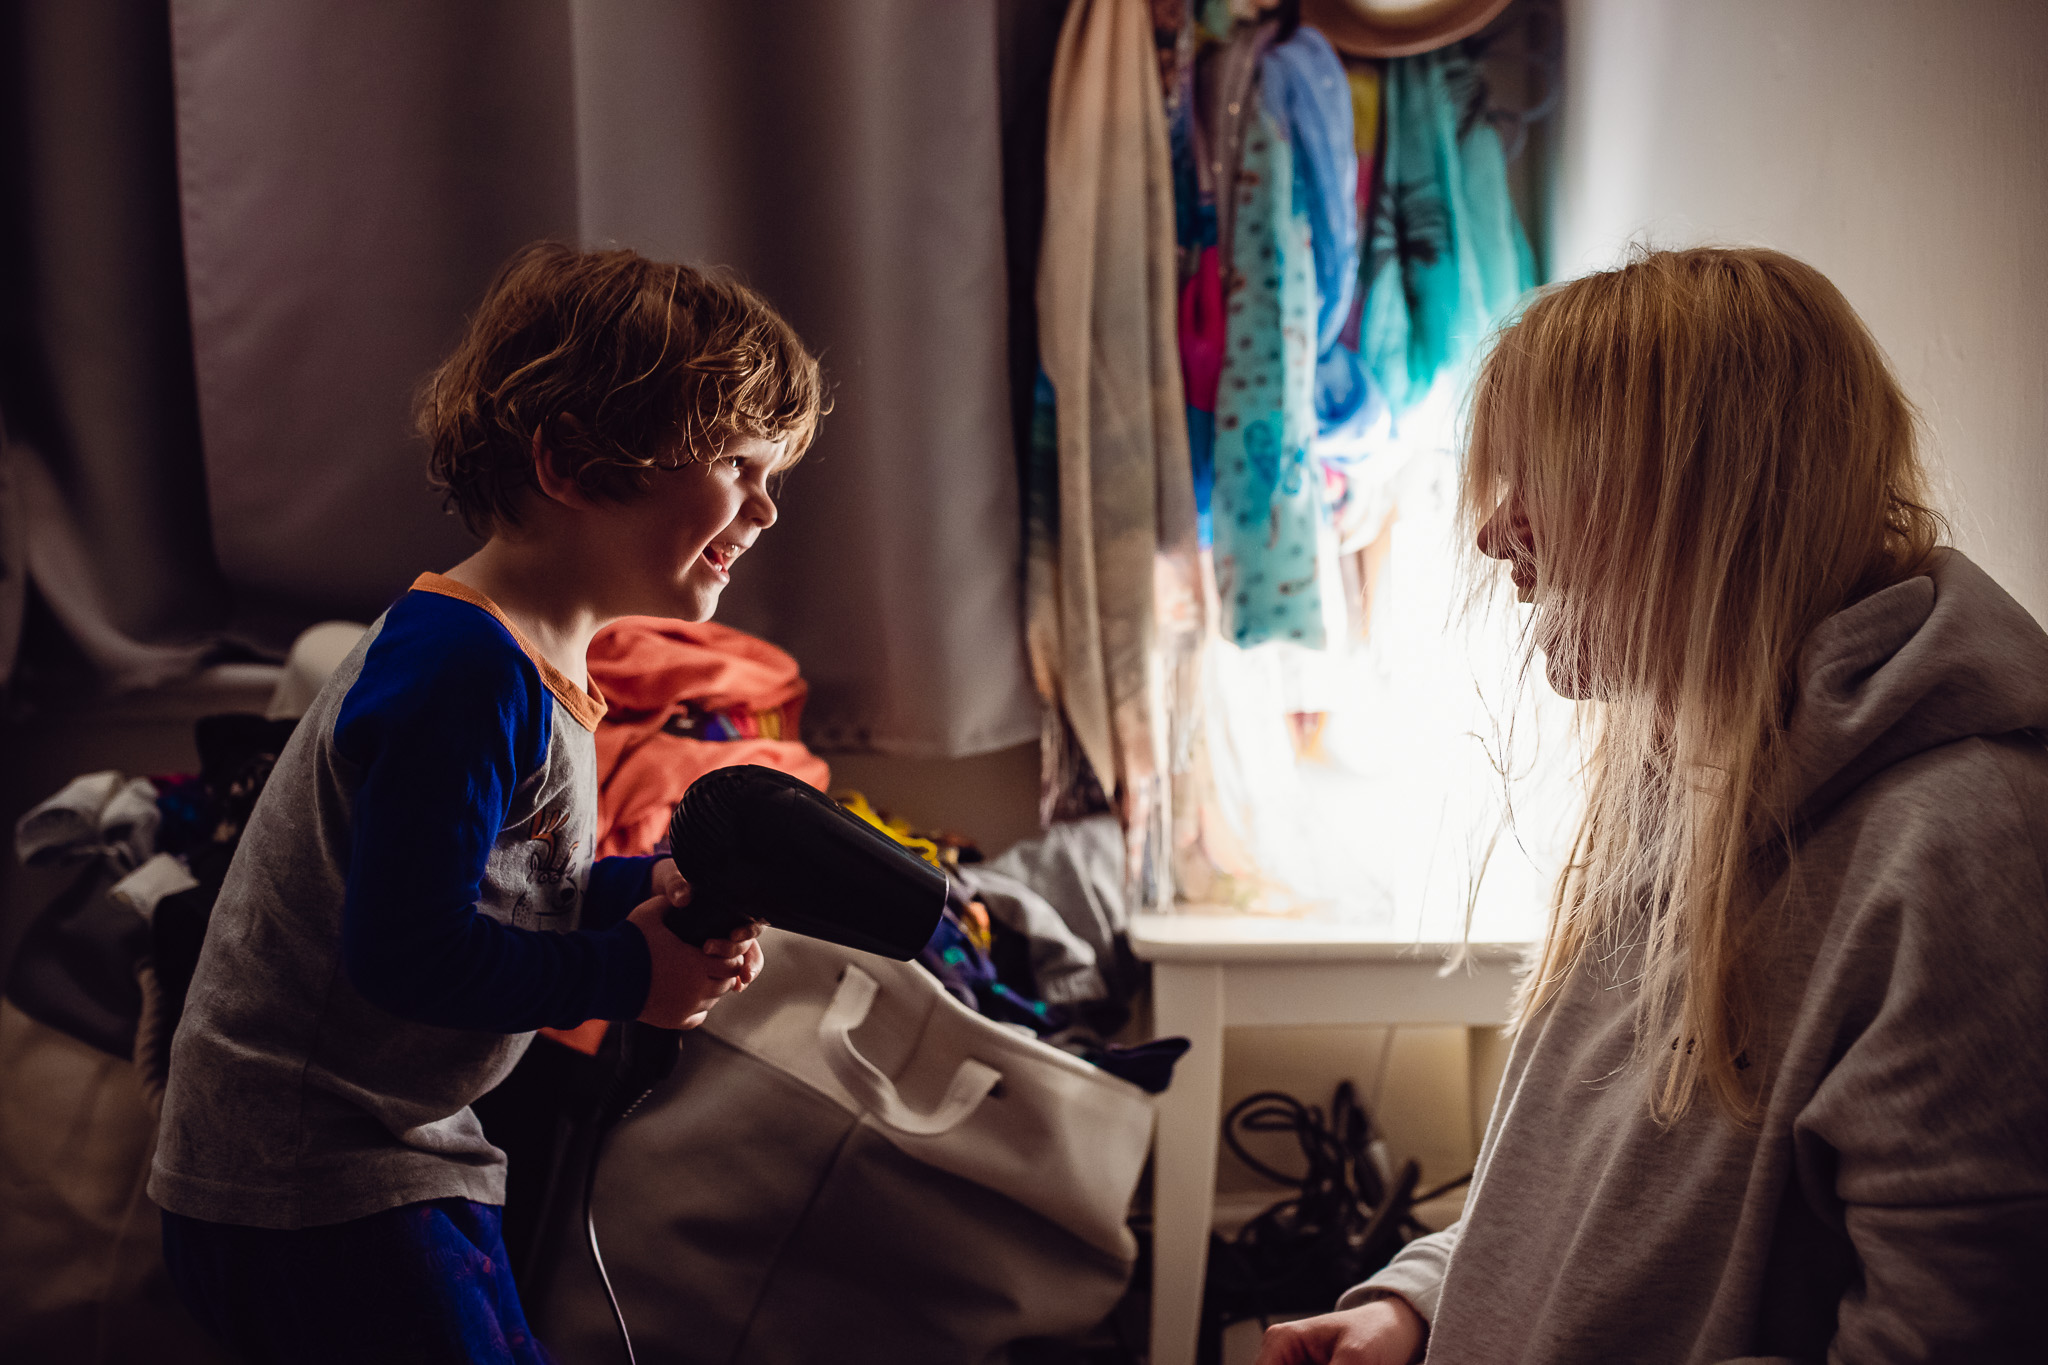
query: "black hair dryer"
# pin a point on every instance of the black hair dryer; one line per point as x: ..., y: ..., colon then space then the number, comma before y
x: 755, y: 843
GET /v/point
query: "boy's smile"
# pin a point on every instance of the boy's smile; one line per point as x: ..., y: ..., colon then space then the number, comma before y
x: 677, y: 545
x: 720, y: 556
x: 579, y: 561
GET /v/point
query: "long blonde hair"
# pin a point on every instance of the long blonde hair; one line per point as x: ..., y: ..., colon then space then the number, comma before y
x: 1714, y: 456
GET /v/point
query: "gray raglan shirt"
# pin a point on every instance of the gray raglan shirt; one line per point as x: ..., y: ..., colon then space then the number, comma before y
x: 413, y: 895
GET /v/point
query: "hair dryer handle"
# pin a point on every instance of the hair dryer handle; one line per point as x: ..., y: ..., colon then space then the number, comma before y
x: 697, y: 924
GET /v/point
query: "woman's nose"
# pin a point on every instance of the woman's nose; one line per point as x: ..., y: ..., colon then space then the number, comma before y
x: 1497, y: 536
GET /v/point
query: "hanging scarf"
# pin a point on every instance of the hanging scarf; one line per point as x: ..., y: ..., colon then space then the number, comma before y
x: 1348, y: 402
x: 1108, y: 585
x: 1267, y: 501
x: 1306, y: 90
x: 1446, y: 258
x: 1201, y: 297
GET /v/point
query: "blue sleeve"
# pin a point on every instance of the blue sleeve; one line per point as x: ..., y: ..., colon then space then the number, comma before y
x: 617, y: 885
x: 445, y: 721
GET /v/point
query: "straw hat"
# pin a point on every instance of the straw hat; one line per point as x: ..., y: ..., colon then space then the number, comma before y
x: 1397, y: 28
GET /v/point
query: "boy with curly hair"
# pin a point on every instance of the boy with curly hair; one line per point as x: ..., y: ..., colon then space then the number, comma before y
x: 415, y: 891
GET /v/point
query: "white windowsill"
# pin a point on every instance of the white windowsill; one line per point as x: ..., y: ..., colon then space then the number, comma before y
x: 1197, y: 934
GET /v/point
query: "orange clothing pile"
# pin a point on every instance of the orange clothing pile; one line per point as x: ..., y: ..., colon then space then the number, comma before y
x: 685, y: 697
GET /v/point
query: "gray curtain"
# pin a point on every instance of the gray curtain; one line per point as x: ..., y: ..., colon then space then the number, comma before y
x: 343, y: 177
x: 351, y: 174
x: 102, y: 494
x: 846, y: 159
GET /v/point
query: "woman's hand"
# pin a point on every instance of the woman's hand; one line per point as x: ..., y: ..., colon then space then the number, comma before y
x: 1384, y: 1332
x: 687, y: 981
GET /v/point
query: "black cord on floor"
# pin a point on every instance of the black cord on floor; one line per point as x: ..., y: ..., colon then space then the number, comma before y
x: 1347, y: 1217
x: 1439, y: 1191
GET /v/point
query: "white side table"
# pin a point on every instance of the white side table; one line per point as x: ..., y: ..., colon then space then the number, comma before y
x: 1210, y: 972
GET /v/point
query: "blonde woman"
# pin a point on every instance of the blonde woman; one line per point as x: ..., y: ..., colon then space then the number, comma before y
x: 1779, y: 1082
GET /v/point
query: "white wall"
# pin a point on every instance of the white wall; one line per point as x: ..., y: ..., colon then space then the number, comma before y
x: 1897, y: 145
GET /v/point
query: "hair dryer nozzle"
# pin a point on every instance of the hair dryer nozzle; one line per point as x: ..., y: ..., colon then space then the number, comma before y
x: 755, y: 843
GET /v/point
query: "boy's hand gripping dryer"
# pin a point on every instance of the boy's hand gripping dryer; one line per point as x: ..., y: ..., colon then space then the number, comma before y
x: 755, y: 843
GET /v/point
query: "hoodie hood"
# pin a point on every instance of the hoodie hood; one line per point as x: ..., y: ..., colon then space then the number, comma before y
x: 1945, y: 656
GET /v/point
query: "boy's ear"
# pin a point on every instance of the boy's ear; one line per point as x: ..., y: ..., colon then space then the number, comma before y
x: 552, y: 476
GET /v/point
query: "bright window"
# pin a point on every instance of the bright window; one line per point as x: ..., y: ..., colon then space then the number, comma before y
x: 1399, y: 780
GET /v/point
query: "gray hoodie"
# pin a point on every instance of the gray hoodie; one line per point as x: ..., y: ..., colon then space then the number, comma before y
x: 1893, y: 1203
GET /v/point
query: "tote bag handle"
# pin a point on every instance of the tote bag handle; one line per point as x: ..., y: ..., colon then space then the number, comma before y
x: 877, y: 1094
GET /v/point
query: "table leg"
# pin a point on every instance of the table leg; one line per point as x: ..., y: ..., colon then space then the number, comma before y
x: 1187, y: 999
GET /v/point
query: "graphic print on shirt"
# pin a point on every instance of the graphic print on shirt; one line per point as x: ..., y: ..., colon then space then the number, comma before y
x: 549, y: 851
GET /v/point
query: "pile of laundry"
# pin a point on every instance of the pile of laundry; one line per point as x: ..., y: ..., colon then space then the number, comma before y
x: 109, y: 960
x: 1037, y: 940
x: 94, y: 992
x: 1034, y: 939
x: 682, y: 698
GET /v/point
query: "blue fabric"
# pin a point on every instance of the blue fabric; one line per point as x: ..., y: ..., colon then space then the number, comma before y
x: 1446, y: 256
x: 1194, y: 220
x: 1202, y: 455
x: 1194, y: 215
x: 418, y: 1284
x: 1305, y: 88
x: 447, y: 719
x: 1347, y: 400
x: 1267, y: 503
x: 617, y: 885
x: 969, y: 976
x: 1042, y: 477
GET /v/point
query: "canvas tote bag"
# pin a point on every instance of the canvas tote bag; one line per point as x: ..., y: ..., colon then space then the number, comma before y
x: 848, y: 1164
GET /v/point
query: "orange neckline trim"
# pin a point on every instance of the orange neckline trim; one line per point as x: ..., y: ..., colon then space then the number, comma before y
x: 587, y: 707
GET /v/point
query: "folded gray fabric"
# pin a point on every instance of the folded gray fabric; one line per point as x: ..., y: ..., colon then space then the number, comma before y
x: 1062, y: 964
x: 1078, y: 867
x: 128, y: 822
x: 98, y: 814
x: 159, y: 876
x: 66, y: 821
